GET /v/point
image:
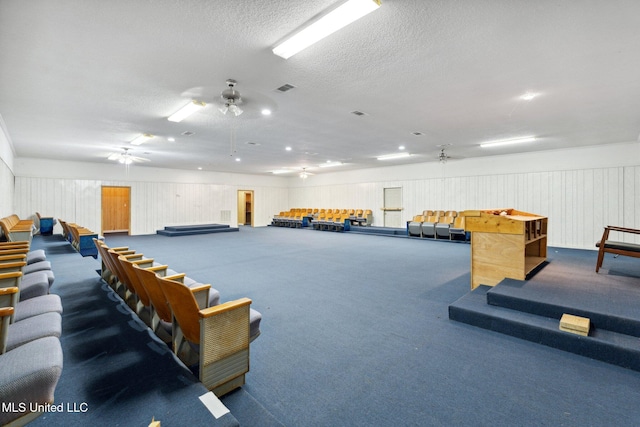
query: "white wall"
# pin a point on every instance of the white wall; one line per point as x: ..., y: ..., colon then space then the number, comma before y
x: 580, y: 190
x: 6, y: 172
x: 159, y: 197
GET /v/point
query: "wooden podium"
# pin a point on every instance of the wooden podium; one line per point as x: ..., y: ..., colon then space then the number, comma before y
x: 505, y: 243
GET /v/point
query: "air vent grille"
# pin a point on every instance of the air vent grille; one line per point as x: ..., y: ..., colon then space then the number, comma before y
x: 285, y: 87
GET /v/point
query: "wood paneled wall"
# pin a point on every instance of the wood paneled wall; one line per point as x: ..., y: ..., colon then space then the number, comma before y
x: 6, y: 190
x: 579, y: 203
x: 154, y: 205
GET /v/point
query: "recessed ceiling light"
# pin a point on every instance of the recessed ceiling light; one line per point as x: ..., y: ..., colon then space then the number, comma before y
x: 171, y: 139
x: 528, y: 96
x: 266, y: 112
x: 359, y: 113
x: 237, y: 159
x: 393, y: 156
x: 287, y: 148
x: 199, y: 168
x: 401, y: 147
x: 510, y: 141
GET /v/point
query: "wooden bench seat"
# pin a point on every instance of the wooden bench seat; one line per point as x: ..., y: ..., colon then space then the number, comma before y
x: 616, y: 247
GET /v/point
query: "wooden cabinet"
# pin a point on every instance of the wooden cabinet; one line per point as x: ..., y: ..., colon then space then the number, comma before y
x: 505, y: 243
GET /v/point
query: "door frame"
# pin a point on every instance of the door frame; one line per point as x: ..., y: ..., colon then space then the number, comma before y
x: 242, y: 214
x: 102, y: 209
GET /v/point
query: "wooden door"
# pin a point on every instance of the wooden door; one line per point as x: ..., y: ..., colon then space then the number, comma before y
x: 116, y: 210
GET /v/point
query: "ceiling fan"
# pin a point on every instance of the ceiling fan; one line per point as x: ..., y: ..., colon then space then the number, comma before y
x: 443, y: 156
x: 125, y: 157
x: 252, y: 104
x: 231, y: 99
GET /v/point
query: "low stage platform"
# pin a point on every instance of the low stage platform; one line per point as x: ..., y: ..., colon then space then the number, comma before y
x: 188, y: 230
x: 567, y: 284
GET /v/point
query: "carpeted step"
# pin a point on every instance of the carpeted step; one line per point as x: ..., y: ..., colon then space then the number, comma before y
x: 189, y: 230
x: 607, y: 311
x: 196, y: 227
x: 601, y: 344
x: 379, y: 230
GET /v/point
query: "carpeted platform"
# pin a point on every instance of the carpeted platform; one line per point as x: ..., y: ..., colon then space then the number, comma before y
x: 532, y: 310
x: 191, y: 230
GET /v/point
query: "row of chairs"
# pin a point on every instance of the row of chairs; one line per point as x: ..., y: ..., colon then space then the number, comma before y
x: 81, y: 238
x: 186, y: 315
x: 332, y: 222
x: 304, y: 217
x: 16, y: 229
x: 31, y: 324
x: 438, y: 225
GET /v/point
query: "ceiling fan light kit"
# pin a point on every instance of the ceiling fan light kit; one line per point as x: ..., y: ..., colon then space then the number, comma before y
x: 231, y: 98
x: 186, y: 111
x: 331, y: 22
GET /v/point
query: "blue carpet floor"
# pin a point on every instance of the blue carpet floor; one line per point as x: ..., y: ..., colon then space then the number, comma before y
x: 356, y: 332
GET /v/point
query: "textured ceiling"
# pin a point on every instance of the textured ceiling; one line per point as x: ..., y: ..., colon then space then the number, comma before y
x: 80, y: 79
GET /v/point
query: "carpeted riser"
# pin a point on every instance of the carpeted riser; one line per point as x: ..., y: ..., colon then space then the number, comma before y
x: 472, y: 310
x: 598, y: 320
x: 195, y: 227
x: 194, y: 232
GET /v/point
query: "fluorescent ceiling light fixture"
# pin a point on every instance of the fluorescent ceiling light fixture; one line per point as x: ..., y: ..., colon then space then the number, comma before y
x: 529, y: 96
x: 500, y: 142
x: 330, y: 164
x: 393, y: 156
x: 186, y: 111
x: 338, y: 18
x: 141, y: 139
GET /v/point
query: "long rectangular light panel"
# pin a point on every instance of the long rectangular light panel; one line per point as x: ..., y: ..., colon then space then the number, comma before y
x: 508, y: 141
x: 393, y: 156
x: 141, y: 139
x: 338, y: 18
x: 186, y: 111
